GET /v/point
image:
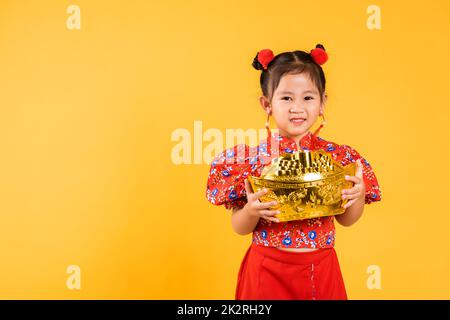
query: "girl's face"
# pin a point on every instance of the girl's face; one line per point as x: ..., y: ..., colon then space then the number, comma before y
x: 295, y: 105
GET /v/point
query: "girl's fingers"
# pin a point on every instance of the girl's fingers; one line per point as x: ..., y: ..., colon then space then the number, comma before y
x: 354, y: 179
x: 247, y: 187
x: 266, y: 205
x: 260, y: 193
x: 351, y: 190
x: 351, y: 196
x: 348, y: 204
x: 359, y: 171
x: 268, y: 213
x: 271, y: 219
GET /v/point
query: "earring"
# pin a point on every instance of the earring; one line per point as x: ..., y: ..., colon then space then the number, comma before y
x: 323, y: 119
x: 321, y: 125
x: 269, y: 134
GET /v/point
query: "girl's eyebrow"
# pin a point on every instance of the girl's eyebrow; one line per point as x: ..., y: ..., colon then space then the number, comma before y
x: 306, y: 91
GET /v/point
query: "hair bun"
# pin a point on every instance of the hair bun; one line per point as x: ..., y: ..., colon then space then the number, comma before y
x: 320, y: 46
x: 256, y: 64
x: 262, y: 59
x: 319, y: 54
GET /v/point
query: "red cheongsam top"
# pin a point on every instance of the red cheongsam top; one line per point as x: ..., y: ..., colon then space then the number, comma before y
x: 231, y: 167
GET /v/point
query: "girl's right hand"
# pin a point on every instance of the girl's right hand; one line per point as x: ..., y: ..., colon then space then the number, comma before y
x: 257, y: 208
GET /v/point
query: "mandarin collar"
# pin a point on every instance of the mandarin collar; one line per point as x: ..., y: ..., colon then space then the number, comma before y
x: 305, y: 141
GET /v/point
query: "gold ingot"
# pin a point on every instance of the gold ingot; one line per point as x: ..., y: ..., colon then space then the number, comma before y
x: 306, y: 184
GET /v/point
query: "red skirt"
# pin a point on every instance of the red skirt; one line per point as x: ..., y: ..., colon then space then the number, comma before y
x: 267, y: 273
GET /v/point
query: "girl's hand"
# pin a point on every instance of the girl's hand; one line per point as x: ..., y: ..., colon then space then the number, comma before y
x: 257, y: 208
x: 358, y: 191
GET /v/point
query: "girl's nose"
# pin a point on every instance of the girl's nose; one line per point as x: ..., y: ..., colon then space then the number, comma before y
x: 295, y: 109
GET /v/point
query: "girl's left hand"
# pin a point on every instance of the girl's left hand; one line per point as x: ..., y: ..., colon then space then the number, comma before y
x: 358, y: 191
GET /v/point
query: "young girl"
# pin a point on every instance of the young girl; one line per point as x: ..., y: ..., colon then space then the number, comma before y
x: 293, y: 259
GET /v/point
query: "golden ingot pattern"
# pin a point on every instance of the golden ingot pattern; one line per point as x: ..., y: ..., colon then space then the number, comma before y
x: 306, y: 184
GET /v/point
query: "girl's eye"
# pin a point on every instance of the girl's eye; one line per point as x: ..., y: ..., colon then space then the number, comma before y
x: 306, y: 98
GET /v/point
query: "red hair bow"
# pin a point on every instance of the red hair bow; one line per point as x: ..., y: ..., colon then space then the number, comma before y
x: 319, y: 55
x: 264, y: 57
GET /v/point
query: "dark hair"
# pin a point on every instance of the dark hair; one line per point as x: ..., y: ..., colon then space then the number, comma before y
x: 293, y: 62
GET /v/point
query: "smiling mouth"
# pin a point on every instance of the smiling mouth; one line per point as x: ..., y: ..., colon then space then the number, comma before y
x: 297, y: 120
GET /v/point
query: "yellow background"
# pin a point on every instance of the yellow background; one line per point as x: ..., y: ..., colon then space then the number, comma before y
x: 85, y: 134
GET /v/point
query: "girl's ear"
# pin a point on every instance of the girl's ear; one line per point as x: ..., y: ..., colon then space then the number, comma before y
x: 325, y: 98
x: 265, y: 104
x: 322, y: 105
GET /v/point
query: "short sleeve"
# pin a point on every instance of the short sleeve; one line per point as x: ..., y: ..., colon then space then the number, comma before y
x: 348, y: 155
x: 228, y: 170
